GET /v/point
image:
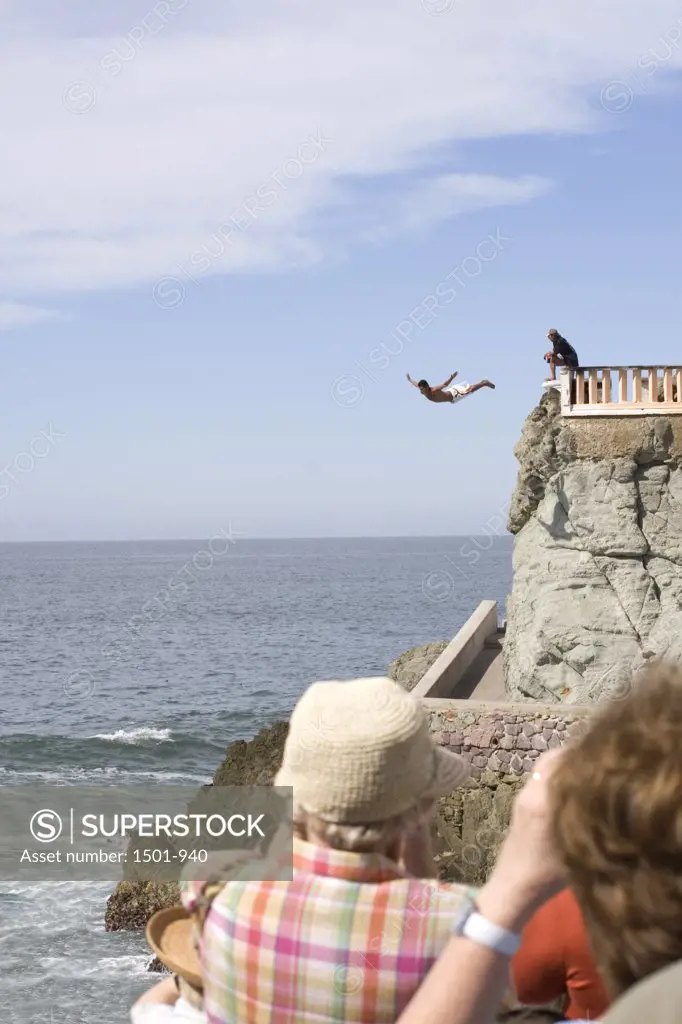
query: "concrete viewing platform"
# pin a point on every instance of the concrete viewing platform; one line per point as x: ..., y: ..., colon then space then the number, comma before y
x: 471, y: 665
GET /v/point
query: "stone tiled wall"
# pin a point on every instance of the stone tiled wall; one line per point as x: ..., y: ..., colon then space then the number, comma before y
x: 507, y: 739
x: 502, y: 743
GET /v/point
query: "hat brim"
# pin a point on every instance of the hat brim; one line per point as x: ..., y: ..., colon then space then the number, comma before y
x: 451, y: 771
x: 170, y: 934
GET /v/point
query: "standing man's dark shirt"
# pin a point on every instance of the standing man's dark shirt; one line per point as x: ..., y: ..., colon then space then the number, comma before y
x: 566, y: 351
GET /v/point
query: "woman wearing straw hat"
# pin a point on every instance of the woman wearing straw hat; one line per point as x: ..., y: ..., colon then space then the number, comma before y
x: 176, y: 1000
x: 352, y: 933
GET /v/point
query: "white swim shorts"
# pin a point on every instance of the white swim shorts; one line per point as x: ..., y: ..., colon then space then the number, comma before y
x: 459, y: 391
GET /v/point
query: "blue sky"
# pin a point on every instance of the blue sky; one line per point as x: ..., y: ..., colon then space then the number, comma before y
x: 250, y: 394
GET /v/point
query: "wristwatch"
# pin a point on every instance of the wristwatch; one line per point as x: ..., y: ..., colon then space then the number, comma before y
x: 472, y: 925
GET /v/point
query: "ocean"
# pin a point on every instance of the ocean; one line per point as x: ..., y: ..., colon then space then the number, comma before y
x: 140, y: 662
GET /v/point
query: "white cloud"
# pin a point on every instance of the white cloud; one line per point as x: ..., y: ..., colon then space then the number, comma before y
x: 181, y: 122
x: 448, y: 195
x: 14, y: 314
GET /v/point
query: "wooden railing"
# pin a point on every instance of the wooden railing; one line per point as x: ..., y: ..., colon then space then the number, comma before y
x: 621, y: 391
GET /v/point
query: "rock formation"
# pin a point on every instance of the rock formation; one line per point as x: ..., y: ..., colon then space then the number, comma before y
x: 254, y: 763
x: 597, y: 518
x: 409, y: 668
x: 131, y: 904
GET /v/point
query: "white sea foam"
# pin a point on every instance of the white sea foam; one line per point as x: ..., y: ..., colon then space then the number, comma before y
x: 54, y: 909
x: 58, y: 776
x: 145, y: 734
x: 69, y: 773
x: 73, y: 967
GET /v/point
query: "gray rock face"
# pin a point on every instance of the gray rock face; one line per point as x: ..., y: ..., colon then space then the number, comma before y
x: 409, y: 668
x: 597, y: 557
x: 538, y: 459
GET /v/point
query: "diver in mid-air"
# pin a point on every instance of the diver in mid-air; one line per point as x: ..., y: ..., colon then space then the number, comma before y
x: 445, y: 392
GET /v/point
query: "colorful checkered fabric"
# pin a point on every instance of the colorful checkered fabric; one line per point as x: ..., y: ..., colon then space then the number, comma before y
x: 349, y: 940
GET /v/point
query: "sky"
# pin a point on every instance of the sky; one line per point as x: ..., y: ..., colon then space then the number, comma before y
x: 228, y: 232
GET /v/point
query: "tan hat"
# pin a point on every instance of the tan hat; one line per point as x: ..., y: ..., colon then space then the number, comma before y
x: 360, y: 752
x: 170, y: 933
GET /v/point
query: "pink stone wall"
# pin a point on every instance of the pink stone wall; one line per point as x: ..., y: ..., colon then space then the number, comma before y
x: 506, y: 741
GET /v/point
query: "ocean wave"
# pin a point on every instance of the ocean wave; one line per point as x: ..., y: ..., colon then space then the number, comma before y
x: 51, y: 913
x: 133, y: 737
x: 152, y: 752
x: 75, y: 775
x: 72, y: 967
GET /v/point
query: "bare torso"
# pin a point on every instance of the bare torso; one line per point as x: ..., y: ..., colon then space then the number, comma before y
x: 439, y: 396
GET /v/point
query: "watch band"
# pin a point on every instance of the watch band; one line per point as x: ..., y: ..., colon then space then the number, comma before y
x: 479, y: 929
x: 472, y: 925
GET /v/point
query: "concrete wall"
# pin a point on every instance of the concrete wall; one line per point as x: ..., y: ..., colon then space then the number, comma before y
x: 452, y: 665
x: 620, y: 437
x: 501, y: 743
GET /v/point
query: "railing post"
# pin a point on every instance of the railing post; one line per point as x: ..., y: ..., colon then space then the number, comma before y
x: 592, y: 393
x: 667, y: 384
x: 622, y: 386
x: 653, y: 385
x: 579, y: 378
x: 678, y: 381
x: 566, y: 379
x: 637, y: 385
x: 606, y: 385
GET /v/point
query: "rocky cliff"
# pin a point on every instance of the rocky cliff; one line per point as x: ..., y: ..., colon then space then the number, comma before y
x: 597, y: 518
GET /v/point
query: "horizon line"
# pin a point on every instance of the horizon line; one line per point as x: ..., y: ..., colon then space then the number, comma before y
x: 185, y: 540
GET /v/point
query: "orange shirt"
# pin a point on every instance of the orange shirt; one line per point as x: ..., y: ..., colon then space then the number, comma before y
x: 555, y: 958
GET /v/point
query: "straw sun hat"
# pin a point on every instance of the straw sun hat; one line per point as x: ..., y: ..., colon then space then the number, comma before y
x: 360, y: 752
x: 170, y: 933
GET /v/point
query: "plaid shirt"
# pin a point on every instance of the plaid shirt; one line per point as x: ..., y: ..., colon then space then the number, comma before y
x: 349, y: 940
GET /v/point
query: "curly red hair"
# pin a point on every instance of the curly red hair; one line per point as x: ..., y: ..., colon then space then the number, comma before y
x: 617, y: 823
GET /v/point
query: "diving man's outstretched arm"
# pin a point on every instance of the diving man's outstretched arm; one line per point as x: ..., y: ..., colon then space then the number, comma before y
x: 412, y: 382
x: 439, y: 387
